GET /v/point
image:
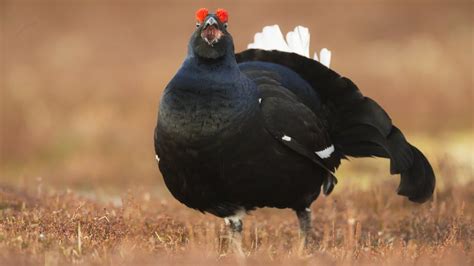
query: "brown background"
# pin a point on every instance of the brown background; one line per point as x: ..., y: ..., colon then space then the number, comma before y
x: 81, y: 80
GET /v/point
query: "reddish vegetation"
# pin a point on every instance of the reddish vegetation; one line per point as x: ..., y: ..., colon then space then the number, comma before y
x: 356, y: 226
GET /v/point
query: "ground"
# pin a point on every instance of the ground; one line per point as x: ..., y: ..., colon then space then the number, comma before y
x: 357, y: 224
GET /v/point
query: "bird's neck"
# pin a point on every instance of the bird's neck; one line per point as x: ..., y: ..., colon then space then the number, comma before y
x: 205, y: 77
x: 225, y: 67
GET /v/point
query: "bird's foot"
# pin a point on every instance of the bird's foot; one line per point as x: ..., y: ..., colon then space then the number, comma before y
x: 236, y: 244
x: 309, y: 239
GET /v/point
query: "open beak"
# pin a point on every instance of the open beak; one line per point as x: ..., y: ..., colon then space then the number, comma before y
x: 210, y: 32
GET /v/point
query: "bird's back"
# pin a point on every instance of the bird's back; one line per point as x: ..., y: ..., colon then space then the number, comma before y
x: 286, y: 77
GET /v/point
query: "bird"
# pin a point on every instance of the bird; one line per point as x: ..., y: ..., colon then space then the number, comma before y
x: 269, y: 126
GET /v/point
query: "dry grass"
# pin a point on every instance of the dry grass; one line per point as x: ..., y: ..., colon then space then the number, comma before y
x: 363, y: 222
x: 354, y: 227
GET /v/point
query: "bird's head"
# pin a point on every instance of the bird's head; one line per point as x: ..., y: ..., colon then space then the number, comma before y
x: 211, y: 40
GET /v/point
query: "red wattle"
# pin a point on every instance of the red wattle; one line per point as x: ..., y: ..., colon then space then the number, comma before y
x: 222, y: 15
x: 201, y: 14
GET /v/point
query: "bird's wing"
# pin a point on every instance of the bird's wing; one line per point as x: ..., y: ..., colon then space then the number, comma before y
x: 295, y: 125
x: 357, y: 125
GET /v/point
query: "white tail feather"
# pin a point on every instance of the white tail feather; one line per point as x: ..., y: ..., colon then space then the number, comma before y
x: 325, y: 57
x: 297, y: 41
x: 316, y: 56
x: 271, y: 38
x: 274, y: 38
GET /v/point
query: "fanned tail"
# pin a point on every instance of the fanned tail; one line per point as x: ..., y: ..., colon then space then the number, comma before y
x: 368, y: 132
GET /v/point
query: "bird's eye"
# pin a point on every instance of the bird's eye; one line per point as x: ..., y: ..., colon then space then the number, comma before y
x: 198, y: 24
x: 225, y: 25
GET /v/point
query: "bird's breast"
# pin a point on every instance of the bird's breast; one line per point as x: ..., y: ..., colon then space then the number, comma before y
x: 192, y: 117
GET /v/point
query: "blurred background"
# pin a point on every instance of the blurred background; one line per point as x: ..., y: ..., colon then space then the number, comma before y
x: 81, y: 80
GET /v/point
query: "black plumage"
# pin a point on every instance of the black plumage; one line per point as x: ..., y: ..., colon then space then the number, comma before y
x: 240, y: 131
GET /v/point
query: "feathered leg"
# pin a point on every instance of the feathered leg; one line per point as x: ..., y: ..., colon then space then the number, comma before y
x: 235, y: 233
x: 306, y: 230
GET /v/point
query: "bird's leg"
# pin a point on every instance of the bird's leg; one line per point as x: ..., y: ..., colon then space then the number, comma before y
x: 306, y: 230
x: 235, y: 234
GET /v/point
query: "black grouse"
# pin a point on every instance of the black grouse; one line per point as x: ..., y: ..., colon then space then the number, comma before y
x: 262, y: 128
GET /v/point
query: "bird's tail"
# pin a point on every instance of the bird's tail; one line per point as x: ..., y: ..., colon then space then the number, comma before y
x: 363, y: 129
x: 417, y: 182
